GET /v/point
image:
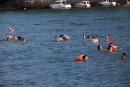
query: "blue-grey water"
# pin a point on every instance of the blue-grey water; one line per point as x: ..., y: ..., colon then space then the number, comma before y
x: 41, y: 62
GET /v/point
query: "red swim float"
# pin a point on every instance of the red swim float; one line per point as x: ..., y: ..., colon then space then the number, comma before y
x: 81, y: 58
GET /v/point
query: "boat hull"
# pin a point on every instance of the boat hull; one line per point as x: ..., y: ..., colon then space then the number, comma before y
x: 55, y: 6
x: 113, y: 3
x: 107, y: 3
x: 83, y: 4
x: 104, y: 3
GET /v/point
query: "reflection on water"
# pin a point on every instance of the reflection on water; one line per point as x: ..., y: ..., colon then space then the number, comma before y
x: 41, y: 62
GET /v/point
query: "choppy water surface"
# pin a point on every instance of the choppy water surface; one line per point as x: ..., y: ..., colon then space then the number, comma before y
x: 41, y: 62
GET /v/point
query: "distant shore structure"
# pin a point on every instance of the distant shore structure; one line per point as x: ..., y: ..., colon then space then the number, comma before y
x: 41, y: 4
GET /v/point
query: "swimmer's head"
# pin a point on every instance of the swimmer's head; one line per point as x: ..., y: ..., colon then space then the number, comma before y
x: 23, y: 40
x: 99, y: 47
x: 94, y: 37
x: 111, y: 44
x: 84, y: 36
x: 7, y: 38
x: 85, y: 57
x: 88, y: 36
x: 15, y: 37
x: 106, y: 37
x: 19, y: 38
x: 124, y: 56
x: 61, y: 35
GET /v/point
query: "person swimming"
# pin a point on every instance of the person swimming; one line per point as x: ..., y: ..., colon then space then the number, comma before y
x: 123, y: 56
x: 64, y: 37
x: 100, y: 47
x: 57, y: 39
x: 89, y: 36
x: 61, y: 37
x: 81, y: 58
x: 21, y: 39
x: 109, y: 39
x: 112, y: 47
x: 15, y: 37
x: 10, y: 29
x: 94, y: 40
x: 84, y: 36
x: 9, y: 38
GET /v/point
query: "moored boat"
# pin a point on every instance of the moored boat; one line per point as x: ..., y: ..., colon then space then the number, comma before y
x: 83, y: 4
x: 60, y: 4
x: 107, y: 3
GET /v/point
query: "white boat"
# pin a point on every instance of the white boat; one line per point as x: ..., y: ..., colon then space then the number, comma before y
x: 83, y: 4
x: 107, y: 3
x: 60, y: 4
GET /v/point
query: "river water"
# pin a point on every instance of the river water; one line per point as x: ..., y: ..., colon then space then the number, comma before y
x: 41, y: 62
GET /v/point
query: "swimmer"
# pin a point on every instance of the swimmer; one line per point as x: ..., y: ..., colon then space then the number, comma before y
x: 107, y: 40
x: 10, y: 29
x: 61, y: 37
x: 64, y: 38
x: 123, y: 56
x: 112, y: 47
x: 9, y: 38
x: 23, y: 40
x: 15, y: 37
x: 84, y: 36
x: 57, y: 39
x: 88, y: 36
x: 94, y: 40
x: 100, y: 47
x: 81, y: 58
x: 19, y: 38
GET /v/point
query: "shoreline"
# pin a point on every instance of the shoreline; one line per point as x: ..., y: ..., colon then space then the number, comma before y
x: 24, y: 7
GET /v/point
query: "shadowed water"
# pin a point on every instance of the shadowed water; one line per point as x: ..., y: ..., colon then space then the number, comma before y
x: 41, y: 62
